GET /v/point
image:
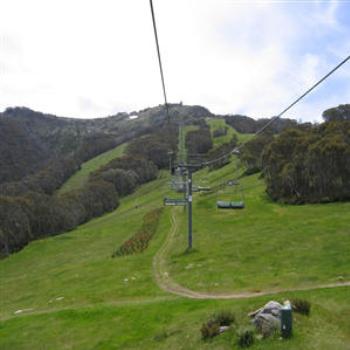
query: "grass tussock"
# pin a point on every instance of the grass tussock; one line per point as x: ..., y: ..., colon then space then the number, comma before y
x: 301, y: 306
x: 245, y: 337
x: 211, y: 328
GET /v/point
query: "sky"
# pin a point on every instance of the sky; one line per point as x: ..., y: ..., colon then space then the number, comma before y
x: 94, y: 58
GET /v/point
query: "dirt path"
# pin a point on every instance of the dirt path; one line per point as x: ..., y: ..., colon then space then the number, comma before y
x: 165, y: 282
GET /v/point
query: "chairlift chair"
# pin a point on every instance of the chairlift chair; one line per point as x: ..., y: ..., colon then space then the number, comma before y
x: 230, y: 204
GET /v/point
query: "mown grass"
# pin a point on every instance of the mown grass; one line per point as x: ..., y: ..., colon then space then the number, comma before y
x: 183, y: 130
x: 78, y: 266
x: 265, y: 246
x: 115, y: 303
x: 80, y: 177
x: 175, y: 324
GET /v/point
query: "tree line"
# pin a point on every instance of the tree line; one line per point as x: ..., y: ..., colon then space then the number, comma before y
x: 35, y: 215
x: 306, y: 163
x: 309, y: 165
x: 31, y: 210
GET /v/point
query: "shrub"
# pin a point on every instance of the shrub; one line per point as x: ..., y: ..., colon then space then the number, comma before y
x: 224, y: 318
x: 220, y: 156
x: 155, y: 146
x: 245, y: 338
x: 220, y: 132
x: 140, y: 240
x: 144, y: 169
x: 199, y: 141
x: 301, y: 306
x: 210, y: 329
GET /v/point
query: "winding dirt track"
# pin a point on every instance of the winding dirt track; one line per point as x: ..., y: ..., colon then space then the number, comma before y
x: 165, y: 282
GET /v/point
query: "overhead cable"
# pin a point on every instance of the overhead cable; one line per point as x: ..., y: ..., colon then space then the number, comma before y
x: 272, y: 120
x: 159, y: 59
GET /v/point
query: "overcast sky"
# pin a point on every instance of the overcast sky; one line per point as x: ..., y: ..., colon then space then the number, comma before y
x: 93, y: 58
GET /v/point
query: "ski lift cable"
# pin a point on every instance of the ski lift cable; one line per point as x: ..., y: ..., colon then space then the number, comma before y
x: 282, y: 113
x: 159, y: 59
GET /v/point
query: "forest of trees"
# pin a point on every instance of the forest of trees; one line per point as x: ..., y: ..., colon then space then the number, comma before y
x: 340, y: 113
x: 309, y: 165
x: 35, y: 215
x: 29, y: 209
x: 199, y: 142
x: 221, y: 155
x: 303, y: 164
x: 251, y: 153
x: 156, y: 146
x: 247, y: 125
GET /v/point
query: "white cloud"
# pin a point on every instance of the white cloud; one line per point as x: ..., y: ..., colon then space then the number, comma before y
x: 94, y: 58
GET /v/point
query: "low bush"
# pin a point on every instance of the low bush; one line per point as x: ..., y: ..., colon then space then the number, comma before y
x: 245, y: 337
x: 220, y: 132
x: 210, y: 329
x: 301, y: 306
x: 224, y: 318
x: 140, y: 240
x: 220, y: 156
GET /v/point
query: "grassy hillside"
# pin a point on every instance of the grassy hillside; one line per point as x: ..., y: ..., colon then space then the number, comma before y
x: 173, y: 324
x: 73, y: 295
x: 218, y: 123
x: 263, y: 247
x: 182, y: 153
x: 81, y: 176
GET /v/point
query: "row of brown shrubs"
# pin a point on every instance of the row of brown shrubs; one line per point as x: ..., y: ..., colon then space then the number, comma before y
x: 140, y: 240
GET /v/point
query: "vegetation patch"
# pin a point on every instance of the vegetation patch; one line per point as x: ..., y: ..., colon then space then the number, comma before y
x: 301, y: 306
x: 155, y: 147
x: 309, y: 164
x: 199, y: 142
x: 212, y: 327
x: 81, y: 177
x: 220, y: 132
x: 245, y: 337
x: 140, y: 240
x: 224, y: 318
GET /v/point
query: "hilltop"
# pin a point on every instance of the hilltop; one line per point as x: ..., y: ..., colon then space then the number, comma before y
x: 116, y: 272
x: 80, y: 297
x: 29, y: 140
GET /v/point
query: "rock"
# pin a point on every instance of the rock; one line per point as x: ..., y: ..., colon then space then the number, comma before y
x: 223, y: 329
x: 272, y: 307
x: 267, y: 320
x: 266, y: 324
x: 24, y: 310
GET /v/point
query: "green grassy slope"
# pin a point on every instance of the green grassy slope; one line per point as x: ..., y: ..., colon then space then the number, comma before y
x: 263, y: 247
x: 80, y: 177
x: 78, y: 265
x: 174, y: 324
x: 75, y: 296
x: 183, y: 130
x: 217, y: 123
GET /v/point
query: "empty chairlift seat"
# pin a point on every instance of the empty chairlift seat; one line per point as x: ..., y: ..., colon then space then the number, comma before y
x: 230, y: 205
